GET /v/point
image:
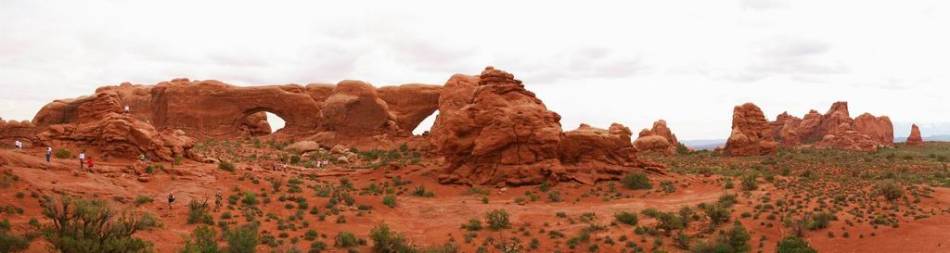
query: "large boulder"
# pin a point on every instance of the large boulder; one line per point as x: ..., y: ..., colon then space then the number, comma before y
x: 751, y: 134
x: 914, y: 139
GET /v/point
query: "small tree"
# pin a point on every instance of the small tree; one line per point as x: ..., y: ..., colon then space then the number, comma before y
x: 198, y: 213
x: 626, y: 218
x: 386, y: 241
x: 92, y: 226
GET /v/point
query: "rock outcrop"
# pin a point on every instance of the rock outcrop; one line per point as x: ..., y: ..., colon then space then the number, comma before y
x: 12, y: 130
x: 491, y: 130
x: 351, y: 111
x: 751, y: 134
x: 914, y: 139
x: 833, y: 130
x: 658, y: 139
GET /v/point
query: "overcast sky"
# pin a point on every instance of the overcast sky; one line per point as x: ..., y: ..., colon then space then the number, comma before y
x: 632, y: 62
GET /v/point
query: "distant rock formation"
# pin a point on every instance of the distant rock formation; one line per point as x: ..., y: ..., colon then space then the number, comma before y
x: 835, y: 130
x: 914, y: 139
x: 751, y: 134
x: 658, y: 139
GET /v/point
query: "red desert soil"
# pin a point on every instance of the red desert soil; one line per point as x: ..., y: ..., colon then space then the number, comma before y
x: 434, y: 220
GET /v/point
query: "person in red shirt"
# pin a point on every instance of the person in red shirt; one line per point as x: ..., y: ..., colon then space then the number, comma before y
x: 89, y: 162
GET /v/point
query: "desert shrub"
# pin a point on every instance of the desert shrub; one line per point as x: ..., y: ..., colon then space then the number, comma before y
x: 80, y: 225
x: 716, y: 213
x: 498, y: 219
x: 820, y: 221
x: 386, y: 241
x: 626, y: 218
x: 749, y: 183
x: 310, y: 235
x: 10, y: 242
x: 63, y: 153
x: 198, y: 213
x: 794, y: 244
x: 142, y: 199
x: 636, y: 181
x: 243, y: 239
x: 733, y: 240
x: 667, y: 186
x: 249, y: 199
x: 890, y: 191
x: 682, y: 149
x: 390, y: 201
x: 226, y: 166
x: 422, y: 192
x: 346, y: 240
x: 473, y: 225
x: 203, y: 240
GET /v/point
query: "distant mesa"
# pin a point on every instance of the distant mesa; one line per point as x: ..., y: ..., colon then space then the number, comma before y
x: 752, y: 135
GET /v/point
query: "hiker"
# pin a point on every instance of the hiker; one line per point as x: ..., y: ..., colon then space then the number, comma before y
x: 82, y: 159
x: 126, y: 108
x: 142, y: 157
x: 89, y: 163
x: 49, y: 153
x: 18, y: 144
x: 171, y: 199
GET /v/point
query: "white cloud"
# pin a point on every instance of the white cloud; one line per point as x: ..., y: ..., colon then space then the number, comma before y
x: 687, y: 61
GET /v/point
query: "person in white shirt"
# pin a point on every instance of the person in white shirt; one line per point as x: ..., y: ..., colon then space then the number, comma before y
x: 18, y: 144
x: 82, y: 159
x: 126, y: 108
x: 49, y: 153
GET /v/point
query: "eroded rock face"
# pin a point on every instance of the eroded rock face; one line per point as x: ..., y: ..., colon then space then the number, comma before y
x: 351, y: 111
x: 751, y: 134
x: 914, y: 138
x: 504, y: 134
x: 12, y: 130
x: 657, y: 139
x: 834, y: 129
x: 491, y: 130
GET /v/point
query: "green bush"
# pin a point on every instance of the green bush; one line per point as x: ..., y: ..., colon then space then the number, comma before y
x: 749, y: 183
x: 63, y: 153
x: 473, y: 225
x: 198, y: 213
x: 498, y: 219
x: 142, y: 199
x: 636, y: 181
x: 820, y: 221
x: 717, y: 213
x: 243, y: 239
x: 890, y: 191
x: 793, y: 244
x: 249, y: 199
x: 310, y: 235
x: 390, y: 201
x: 226, y: 166
x: 203, y: 240
x: 346, y: 240
x: 92, y: 226
x: 386, y: 241
x: 667, y: 186
x: 9, y: 242
x: 626, y: 218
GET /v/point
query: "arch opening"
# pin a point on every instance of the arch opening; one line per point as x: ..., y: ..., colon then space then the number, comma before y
x: 276, y: 122
x: 426, y: 124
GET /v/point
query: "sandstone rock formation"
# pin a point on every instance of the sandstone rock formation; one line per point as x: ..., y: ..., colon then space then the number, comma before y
x: 491, y: 130
x: 914, y: 138
x: 751, y: 134
x: 835, y: 130
x: 658, y: 139
x: 13, y: 130
x: 351, y: 111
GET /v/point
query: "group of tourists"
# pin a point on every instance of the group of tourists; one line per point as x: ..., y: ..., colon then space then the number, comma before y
x: 84, y: 161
